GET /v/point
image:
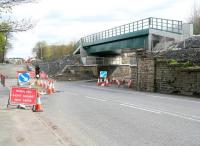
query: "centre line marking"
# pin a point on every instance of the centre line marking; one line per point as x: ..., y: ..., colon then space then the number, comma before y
x: 181, y: 116
x: 158, y: 111
x: 141, y: 108
x: 95, y: 98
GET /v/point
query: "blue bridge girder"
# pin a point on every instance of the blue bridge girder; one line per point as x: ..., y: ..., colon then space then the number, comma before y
x: 132, y: 35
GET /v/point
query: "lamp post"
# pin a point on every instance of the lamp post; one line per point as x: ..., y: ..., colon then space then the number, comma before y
x: 40, y: 52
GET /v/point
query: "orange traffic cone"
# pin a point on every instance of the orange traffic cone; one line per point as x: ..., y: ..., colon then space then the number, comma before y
x: 45, y: 84
x: 118, y: 83
x: 42, y: 83
x: 99, y: 81
x: 49, y: 88
x: 38, y: 106
x: 53, y: 87
x: 107, y: 82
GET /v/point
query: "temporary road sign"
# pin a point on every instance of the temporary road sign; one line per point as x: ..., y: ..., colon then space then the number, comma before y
x: 23, y: 96
x: 103, y: 74
x: 23, y: 77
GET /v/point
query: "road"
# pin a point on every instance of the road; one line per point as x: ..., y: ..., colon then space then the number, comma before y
x: 83, y: 114
x: 10, y: 70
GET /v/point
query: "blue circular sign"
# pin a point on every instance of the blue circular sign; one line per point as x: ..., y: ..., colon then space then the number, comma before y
x: 24, y: 77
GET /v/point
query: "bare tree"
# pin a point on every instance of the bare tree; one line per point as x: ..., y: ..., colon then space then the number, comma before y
x: 195, y: 18
x: 9, y: 25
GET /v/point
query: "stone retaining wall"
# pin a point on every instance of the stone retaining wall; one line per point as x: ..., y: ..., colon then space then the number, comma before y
x: 175, y: 79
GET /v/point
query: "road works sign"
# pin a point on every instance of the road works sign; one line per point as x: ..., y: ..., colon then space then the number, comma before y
x: 23, y: 96
x: 23, y: 77
x: 103, y: 74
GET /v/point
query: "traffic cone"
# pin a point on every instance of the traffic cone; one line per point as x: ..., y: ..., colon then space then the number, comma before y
x: 49, y: 88
x: 130, y: 84
x: 42, y: 83
x: 45, y: 84
x: 107, y: 82
x: 118, y: 83
x: 38, y: 107
x: 99, y: 82
x: 53, y: 87
x: 103, y: 83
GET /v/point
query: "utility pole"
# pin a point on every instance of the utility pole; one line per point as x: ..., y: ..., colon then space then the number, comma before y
x: 40, y: 52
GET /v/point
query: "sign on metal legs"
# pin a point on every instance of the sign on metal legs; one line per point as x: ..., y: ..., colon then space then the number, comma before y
x: 20, y: 95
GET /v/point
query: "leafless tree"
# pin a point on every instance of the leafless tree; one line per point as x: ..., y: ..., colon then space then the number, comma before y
x: 195, y: 18
x: 10, y: 25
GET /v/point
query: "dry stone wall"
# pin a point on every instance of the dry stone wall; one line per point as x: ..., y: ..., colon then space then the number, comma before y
x: 175, y: 79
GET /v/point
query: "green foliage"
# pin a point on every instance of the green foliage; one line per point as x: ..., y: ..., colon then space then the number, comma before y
x: 173, y: 62
x: 183, y: 65
x: 188, y: 64
x: 47, y: 52
x: 2, y: 42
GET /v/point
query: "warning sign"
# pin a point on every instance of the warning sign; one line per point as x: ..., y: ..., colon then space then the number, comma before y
x: 23, y: 96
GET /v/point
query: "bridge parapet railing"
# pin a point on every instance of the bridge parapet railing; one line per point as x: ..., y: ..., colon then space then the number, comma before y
x: 168, y: 25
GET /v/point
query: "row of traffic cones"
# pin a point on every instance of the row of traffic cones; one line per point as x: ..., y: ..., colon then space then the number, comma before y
x: 50, y: 87
x: 107, y: 82
x: 103, y: 82
x: 47, y: 87
x: 49, y: 90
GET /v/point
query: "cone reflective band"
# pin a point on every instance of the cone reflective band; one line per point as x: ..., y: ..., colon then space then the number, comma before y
x: 39, y: 101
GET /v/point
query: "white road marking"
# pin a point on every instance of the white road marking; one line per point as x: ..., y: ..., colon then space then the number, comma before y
x: 141, y: 108
x: 182, y: 116
x: 159, y: 111
x: 95, y: 98
x: 145, y: 108
x: 172, y: 98
x: 142, y: 94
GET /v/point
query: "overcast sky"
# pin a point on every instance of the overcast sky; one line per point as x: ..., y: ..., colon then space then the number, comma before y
x: 62, y: 21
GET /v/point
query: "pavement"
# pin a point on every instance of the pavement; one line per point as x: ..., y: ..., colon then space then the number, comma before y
x: 23, y: 127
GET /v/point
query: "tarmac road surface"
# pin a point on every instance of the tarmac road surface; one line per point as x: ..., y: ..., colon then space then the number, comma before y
x: 87, y: 115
